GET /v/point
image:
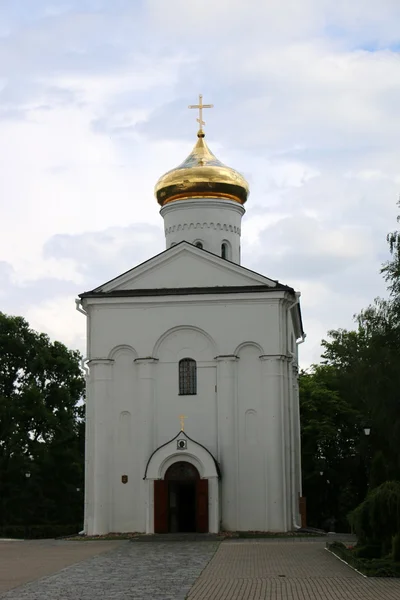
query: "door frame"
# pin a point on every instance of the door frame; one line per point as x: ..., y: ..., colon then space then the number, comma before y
x: 162, y: 498
x: 196, y: 454
x: 213, y: 505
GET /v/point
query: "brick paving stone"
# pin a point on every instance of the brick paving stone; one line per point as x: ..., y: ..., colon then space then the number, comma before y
x: 237, y: 570
x: 270, y: 569
x: 157, y: 571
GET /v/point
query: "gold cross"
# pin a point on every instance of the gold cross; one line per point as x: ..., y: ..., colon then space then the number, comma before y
x: 182, y: 419
x: 200, y: 106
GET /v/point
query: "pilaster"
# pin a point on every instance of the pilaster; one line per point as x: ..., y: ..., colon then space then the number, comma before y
x: 297, y: 438
x: 99, y: 430
x: 275, y: 432
x: 147, y: 441
x: 227, y: 440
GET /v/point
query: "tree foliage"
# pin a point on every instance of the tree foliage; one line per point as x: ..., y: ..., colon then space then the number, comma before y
x: 41, y: 427
x: 377, y: 519
x: 356, y: 386
x: 334, y: 476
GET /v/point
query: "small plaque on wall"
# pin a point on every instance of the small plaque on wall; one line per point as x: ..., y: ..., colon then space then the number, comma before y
x: 124, y: 478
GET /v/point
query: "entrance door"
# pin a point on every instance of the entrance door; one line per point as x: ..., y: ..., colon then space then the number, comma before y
x: 181, y: 501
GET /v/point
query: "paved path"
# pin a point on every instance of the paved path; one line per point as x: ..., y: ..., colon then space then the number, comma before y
x: 239, y: 570
x: 155, y: 571
x: 258, y: 570
x: 23, y: 561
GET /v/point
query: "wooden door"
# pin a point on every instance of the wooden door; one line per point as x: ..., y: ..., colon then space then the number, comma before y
x: 160, y: 506
x: 202, y: 505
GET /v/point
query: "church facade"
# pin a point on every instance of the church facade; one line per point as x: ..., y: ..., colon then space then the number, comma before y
x: 192, y: 414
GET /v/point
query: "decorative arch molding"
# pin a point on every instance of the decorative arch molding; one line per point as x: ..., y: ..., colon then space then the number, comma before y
x: 122, y: 349
x: 182, y: 328
x: 194, y: 453
x: 251, y: 429
x: 192, y: 225
x: 177, y: 457
x: 248, y: 344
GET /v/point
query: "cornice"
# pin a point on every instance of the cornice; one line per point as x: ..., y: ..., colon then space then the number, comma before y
x: 278, y: 357
x: 226, y: 358
x: 215, y: 226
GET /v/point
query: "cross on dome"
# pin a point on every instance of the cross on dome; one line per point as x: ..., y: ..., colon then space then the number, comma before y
x: 200, y: 106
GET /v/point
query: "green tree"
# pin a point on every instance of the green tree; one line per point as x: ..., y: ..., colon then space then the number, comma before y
x: 41, y: 393
x: 334, y: 481
x: 378, y: 473
x: 356, y: 386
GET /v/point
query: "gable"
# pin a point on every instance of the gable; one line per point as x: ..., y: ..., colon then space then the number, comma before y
x: 185, y: 266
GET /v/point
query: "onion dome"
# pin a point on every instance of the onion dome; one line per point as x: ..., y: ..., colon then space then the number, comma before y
x: 201, y: 175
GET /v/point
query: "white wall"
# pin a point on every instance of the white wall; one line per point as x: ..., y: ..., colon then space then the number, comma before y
x: 137, y: 411
x: 210, y: 221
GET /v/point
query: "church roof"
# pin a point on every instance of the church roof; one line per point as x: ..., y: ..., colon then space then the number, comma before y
x: 175, y: 290
x: 186, y: 291
x: 201, y: 175
x: 161, y: 276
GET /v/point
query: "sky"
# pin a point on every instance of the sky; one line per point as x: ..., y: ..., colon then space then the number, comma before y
x: 93, y: 109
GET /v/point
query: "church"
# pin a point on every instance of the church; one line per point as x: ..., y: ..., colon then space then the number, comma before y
x: 192, y: 409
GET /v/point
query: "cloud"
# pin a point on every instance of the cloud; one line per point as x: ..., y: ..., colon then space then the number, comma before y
x: 93, y: 109
x: 100, y: 256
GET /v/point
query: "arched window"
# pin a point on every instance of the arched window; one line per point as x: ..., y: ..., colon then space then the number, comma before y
x: 187, y: 377
x: 224, y: 250
x: 199, y: 244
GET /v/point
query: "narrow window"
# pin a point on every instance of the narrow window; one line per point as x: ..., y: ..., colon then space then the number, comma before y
x: 224, y: 250
x: 199, y: 245
x: 187, y: 377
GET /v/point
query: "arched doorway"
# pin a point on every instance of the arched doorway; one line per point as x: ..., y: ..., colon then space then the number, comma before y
x: 181, y: 500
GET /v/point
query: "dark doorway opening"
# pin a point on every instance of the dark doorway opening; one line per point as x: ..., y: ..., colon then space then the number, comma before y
x: 181, y: 506
x: 181, y: 501
x: 182, y: 478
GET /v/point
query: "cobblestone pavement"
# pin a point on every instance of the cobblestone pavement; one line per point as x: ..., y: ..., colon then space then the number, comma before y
x: 263, y: 569
x: 156, y: 571
x: 22, y: 561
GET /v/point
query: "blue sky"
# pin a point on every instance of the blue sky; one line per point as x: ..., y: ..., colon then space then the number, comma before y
x: 93, y: 109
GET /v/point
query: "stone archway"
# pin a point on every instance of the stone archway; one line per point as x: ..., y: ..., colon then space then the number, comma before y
x: 182, y: 449
x: 181, y: 500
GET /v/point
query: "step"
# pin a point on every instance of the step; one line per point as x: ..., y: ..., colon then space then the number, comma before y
x: 178, y: 537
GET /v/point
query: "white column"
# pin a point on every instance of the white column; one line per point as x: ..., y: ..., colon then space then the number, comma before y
x: 276, y: 492
x: 89, y: 456
x: 297, y: 438
x: 286, y: 397
x: 227, y: 441
x: 101, y: 430
x: 294, y: 489
x: 150, y: 506
x: 147, y: 430
x: 213, y: 505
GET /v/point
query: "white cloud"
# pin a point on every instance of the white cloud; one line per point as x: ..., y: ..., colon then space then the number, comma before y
x: 93, y: 110
x: 59, y: 319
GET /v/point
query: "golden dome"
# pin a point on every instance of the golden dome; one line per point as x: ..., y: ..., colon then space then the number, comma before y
x: 201, y: 175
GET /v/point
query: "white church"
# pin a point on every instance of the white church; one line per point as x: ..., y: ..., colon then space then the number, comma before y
x: 192, y: 414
